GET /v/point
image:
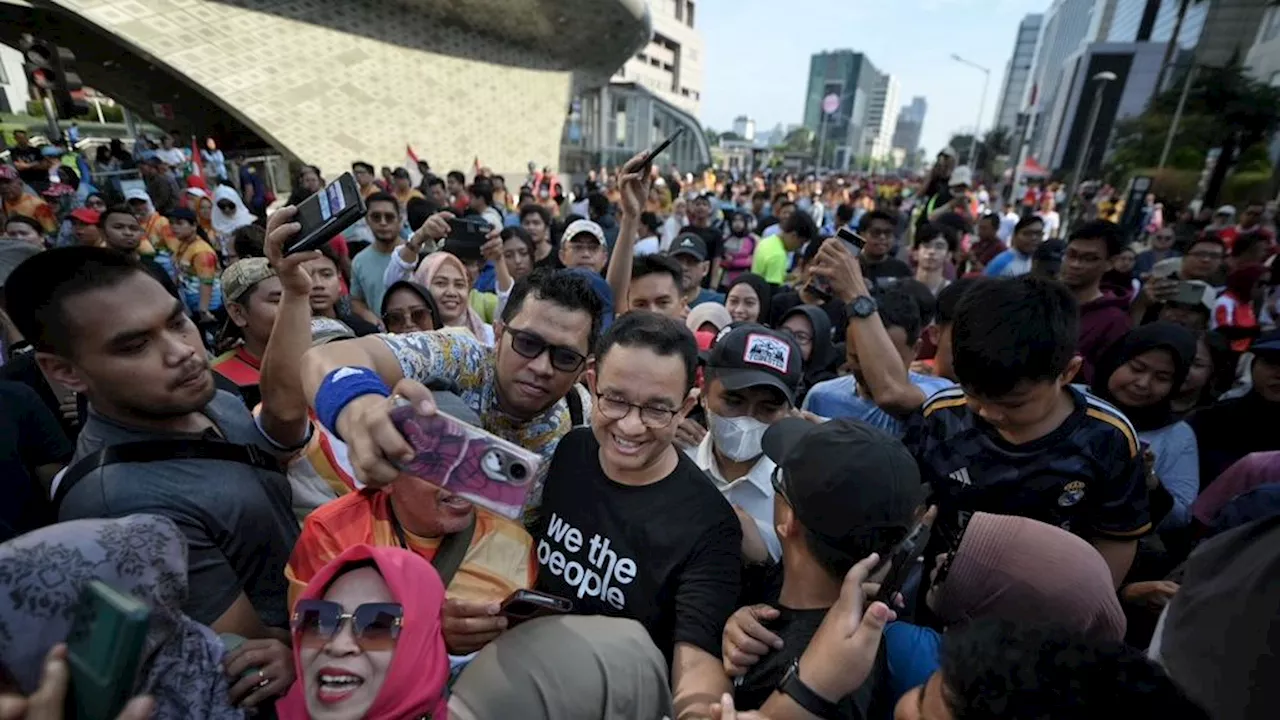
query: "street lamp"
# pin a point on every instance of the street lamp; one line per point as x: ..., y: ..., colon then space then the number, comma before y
x: 1100, y: 81
x: 977, y: 128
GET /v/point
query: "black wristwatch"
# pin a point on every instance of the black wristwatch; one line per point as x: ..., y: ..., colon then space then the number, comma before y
x: 862, y: 307
x: 792, y: 686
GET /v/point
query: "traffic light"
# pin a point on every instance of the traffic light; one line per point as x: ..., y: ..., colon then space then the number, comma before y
x: 51, y: 69
x: 40, y: 61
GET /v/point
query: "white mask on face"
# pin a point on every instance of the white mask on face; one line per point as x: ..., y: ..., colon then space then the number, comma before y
x: 737, y: 438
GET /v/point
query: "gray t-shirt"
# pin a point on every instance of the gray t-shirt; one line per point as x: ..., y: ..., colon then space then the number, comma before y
x: 238, y: 520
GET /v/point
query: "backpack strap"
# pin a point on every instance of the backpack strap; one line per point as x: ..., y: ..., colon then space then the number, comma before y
x: 449, y: 553
x: 147, y: 451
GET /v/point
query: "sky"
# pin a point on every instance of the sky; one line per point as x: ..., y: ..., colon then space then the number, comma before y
x: 756, y: 58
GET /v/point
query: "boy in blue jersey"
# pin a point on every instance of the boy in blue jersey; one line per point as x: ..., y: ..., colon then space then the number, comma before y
x: 1016, y: 439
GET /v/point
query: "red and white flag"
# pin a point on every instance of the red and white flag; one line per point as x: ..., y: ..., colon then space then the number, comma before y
x: 411, y: 164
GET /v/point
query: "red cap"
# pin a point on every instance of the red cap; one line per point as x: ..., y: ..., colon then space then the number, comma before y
x: 85, y: 215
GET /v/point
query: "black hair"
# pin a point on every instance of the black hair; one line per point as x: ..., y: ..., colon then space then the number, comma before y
x: 570, y: 290
x: 837, y: 562
x: 993, y: 668
x: 362, y: 165
x: 760, y: 195
x: 382, y: 196
x: 538, y: 210
x: 992, y: 218
x: 949, y: 297
x: 1210, y: 238
x: 434, y: 180
x: 515, y: 231
x: 898, y: 308
x: 802, y: 225
x: 844, y: 214
x: 327, y: 251
x: 39, y: 287
x: 650, y: 221
x: 417, y: 210
x: 502, y: 179
x: 1027, y: 222
x: 26, y: 220
x: 482, y: 190
x: 457, y: 176
x: 1246, y: 243
x: 865, y: 223
x: 656, y: 264
x: 927, y: 232
x: 1108, y: 232
x: 597, y: 205
x: 925, y: 300
x: 781, y: 199
x: 810, y: 250
x: 1012, y: 329
x: 663, y: 335
x: 249, y: 241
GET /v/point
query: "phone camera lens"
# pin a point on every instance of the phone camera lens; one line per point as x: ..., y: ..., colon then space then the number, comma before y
x: 519, y: 471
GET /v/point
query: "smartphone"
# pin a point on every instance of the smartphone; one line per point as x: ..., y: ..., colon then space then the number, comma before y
x: 898, y: 564
x: 654, y: 153
x: 326, y: 213
x: 467, y: 461
x: 855, y: 243
x: 1189, y: 293
x: 466, y: 236
x: 523, y: 605
x: 104, y: 651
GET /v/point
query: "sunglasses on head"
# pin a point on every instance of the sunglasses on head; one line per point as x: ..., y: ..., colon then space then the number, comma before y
x: 532, y: 346
x: 376, y: 626
x: 415, y: 316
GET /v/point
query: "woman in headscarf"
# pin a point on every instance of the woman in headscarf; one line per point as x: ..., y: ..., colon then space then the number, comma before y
x: 739, y: 248
x: 749, y: 298
x: 367, y: 640
x: 1011, y: 568
x: 1247, y: 491
x: 1140, y: 375
x: 198, y: 201
x: 409, y: 307
x: 43, y: 573
x: 229, y: 214
x: 1231, y: 429
x: 601, y: 667
x: 446, y: 277
x: 811, y: 327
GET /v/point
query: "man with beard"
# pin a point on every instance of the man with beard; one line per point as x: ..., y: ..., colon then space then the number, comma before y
x: 160, y: 438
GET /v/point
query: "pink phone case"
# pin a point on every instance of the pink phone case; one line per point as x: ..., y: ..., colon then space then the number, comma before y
x: 469, y: 462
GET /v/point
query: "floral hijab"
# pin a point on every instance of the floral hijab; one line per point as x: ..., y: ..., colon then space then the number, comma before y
x: 43, y: 573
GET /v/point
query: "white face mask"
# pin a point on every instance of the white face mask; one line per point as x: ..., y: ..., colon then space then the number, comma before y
x: 737, y: 438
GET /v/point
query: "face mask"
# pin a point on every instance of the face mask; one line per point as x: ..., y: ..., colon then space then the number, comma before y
x: 737, y: 438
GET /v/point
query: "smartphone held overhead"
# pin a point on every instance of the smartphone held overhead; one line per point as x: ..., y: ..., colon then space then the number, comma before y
x: 466, y: 461
x: 327, y: 213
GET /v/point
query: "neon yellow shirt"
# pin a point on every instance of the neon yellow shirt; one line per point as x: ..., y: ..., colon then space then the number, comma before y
x: 770, y: 260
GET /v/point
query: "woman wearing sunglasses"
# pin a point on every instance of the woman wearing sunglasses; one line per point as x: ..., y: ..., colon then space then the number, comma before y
x: 409, y: 307
x: 367, y: 641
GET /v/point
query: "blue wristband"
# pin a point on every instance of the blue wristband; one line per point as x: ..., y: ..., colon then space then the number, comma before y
x: 342, y: 386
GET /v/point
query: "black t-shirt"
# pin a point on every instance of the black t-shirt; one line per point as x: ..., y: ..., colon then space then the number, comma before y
x: 885, y: 273
x: 1085, y: 477
x: 37, y: 177
x: 29, y: 438
x: 714, y: 240
x: 667, y: 555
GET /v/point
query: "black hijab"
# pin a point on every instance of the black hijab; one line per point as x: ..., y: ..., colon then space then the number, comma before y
x: 819, y: 365
x: 1180, y: 343
x: 763, y: 289
x: 421, y: 291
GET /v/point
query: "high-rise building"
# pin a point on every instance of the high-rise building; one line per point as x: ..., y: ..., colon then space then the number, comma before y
x: 1017, y: 75
x: 906, y: 132
x: 850, y: 79
x: 670, y: 66
x: 744, y: 127
x: 882, y: 120
x: 1068, y: 26
x: 13, y: 81
x: 1263, y: 59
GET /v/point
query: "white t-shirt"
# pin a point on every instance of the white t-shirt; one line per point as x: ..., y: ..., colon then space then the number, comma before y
x: 1007, y: 224
x: 647, y: 246
x: 1051, y: 222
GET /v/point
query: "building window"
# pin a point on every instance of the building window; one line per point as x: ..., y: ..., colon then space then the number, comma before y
x: 689, y: 15
x: 680, y: 10
x: 4, y: 79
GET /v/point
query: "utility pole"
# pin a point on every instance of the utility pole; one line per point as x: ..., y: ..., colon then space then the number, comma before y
x: 1100, y: 80
x: 1177, y: 117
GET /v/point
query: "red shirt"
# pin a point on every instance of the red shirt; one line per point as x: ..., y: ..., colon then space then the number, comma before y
x: 1230, y: 234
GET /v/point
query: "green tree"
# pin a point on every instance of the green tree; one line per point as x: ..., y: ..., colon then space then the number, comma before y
x: 798, y: 140
x: 713, y: 137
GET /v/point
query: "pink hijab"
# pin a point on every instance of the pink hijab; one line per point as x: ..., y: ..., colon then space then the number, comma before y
x: 1024, y: 570
x: 428, y: 269
x: 416, y: 680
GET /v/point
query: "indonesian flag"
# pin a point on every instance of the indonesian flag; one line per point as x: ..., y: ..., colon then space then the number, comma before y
x: 197, y: 167
x: 411, y: 164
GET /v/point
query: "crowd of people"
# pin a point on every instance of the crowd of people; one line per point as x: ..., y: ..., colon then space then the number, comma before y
x: 741, y: 420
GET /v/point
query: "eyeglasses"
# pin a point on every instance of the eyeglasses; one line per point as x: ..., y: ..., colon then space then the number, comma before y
x: 879, y: 233
x: 532, y: 346
x: 376, y: 625
x: 616, y: 408
x: 1206, y: 255
x: 419, y: 317
x: 380, y: 217
x: 801, y: 336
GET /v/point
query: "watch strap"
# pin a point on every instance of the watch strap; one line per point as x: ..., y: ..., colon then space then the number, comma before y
x: 792, y: 686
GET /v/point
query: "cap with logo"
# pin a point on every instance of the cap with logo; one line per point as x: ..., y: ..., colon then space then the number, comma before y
x: 748, y: 355
x: 583, y: 227
x: 243, y: 275
x: 691, y: 245
x: 843, y: 478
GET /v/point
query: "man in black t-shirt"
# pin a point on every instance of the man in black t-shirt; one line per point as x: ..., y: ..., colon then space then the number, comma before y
x: 700, y: 224
x: 30, y: 163
x: 843, y: 490
x: 628, y: 525
x: 1016, y: 439
x: 878, y: 266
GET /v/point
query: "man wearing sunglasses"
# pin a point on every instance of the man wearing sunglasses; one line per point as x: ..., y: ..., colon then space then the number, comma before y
x: 370, y: 265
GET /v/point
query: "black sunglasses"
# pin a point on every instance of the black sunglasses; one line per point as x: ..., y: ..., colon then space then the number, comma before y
x: 532, y: 346
x: 415, y: 316
x: 375, y: 625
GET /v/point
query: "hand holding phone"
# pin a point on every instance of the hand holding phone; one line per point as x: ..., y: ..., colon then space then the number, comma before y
x: 523, y: 605
x: 894, y: 569
x: 328, y: 212
x: 466, y: 236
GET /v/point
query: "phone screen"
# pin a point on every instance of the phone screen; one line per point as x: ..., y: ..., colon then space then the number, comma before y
x: 327, y: 213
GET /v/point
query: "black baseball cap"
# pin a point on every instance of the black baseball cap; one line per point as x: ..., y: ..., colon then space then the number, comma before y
x: 844, y: 477
x: 749, y: 355
x: 689, y: 244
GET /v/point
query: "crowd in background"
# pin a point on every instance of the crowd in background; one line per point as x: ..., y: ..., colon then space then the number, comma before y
x: 743, y: 393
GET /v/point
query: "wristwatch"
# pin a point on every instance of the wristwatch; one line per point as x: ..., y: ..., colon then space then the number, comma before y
x: 793, y: 687
x: 862, y: 307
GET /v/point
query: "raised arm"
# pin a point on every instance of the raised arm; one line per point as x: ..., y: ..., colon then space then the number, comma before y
x: 633, y: 184
x: 423, y: 240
